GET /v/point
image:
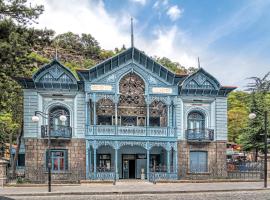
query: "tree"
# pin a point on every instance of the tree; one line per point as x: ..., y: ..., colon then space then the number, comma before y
x: 252, y: 139
x: 16, y: 43
x: 174, y: 66
x: 237, y: 114
x: 19, y: 11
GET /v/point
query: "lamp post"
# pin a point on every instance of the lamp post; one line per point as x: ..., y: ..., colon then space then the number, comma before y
x: 35, y: 118
x: 253, y: 116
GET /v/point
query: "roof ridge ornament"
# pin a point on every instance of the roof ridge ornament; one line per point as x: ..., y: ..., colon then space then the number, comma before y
x: 131, y: 30
x: 199, y: 64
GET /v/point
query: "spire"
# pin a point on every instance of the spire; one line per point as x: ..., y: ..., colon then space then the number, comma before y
x: 199, y: 64
x: 131, y: 29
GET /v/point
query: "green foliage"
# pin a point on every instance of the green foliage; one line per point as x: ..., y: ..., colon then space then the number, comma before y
x: 7, y: 126
x: 237, y: 114
x: 19, y: 11
x: 85, y: 44
x: 173, y: 66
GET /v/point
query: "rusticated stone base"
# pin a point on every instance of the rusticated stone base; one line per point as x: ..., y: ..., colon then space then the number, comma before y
x: 216, y: 159
x: 35, y: 160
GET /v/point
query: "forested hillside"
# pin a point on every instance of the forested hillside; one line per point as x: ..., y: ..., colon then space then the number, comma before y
x: 24, y: 49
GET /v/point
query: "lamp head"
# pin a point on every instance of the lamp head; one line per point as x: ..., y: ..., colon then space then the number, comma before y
x: 252, y: 116
x: 63, y: 118
x: 35, y: 118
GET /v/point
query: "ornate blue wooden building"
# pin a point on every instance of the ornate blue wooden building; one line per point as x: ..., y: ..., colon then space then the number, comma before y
x: 127, y: 117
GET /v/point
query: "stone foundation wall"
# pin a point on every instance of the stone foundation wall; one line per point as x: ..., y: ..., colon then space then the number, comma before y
x: 216, y: 159
x: 35, y: 159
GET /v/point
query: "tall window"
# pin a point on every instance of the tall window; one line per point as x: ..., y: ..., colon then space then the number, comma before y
x: 54, y: 122
x: 158, y: 114
x: 198, y: 161
x: 59, y: 159
x: 132, y: 106
x: 196, y: 120
x: 105, y: 112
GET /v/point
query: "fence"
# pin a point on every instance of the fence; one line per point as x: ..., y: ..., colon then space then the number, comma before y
x: 231, y: 170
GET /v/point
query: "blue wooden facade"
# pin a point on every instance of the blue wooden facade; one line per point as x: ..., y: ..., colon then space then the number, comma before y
x: 132, y: 113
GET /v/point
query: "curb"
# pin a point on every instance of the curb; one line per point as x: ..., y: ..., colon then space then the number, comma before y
x: 132, y: 192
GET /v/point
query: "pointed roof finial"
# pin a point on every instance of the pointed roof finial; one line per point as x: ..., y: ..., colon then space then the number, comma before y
x: 131, y: 29
x: 199, y: 64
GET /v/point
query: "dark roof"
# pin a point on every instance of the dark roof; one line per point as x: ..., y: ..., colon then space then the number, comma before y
x: 33, y: 83
x: 130, y: 55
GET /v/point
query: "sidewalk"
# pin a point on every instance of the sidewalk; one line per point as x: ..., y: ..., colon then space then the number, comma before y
x: 131, y: 188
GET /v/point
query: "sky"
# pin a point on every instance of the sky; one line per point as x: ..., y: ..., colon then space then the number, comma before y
x: 231, y: 37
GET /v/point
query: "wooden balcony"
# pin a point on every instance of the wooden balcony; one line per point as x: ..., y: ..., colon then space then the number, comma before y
x: 107, y: 130
x: 200, y: 135
x: 59, y: 132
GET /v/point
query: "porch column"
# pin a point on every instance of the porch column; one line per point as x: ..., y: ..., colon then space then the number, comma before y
x: 90, y: 160
x: 116, y: 162
x: 175, y: 154
x: 148, y: 164
x: 87, y: 161
x: 95, y: 113
x: 168, y: 161
x: 95, y: 162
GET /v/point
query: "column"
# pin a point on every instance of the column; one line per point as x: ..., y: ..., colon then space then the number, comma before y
x: 116, y: 162
x: 95, y: 162
x: 95, y: 113
x: 168, y: 115
x: 168, y: 161
x: 147, y: 114
x: 148, y: 164
x: 90, y: 161
x: 115, y: 114
x: 175, y: 161
x: 87, y: 161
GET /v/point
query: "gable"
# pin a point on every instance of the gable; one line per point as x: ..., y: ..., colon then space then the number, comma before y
x: 131, y: 55
x: 54, y: 72
x: 200, y: 80
x: 51, y: 76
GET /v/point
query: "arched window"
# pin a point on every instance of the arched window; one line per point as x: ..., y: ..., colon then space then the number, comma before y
x: 54, y: 118
x: 196, y: 120
x: 105, y: 112
x: 132, y: 106
x: 158, y: 114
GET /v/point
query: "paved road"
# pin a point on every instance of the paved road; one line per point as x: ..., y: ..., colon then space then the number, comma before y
x: 135, y: 187
x: 253, y: 195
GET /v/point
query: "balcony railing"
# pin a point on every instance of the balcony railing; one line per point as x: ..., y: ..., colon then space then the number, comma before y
x: 200, y: 135
x: 131, y: 131
x: 56, y: 132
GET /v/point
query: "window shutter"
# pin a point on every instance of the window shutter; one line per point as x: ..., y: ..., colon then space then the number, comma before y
x: 66, y: 159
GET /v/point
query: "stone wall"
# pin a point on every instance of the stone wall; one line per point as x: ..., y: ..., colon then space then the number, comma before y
x: 216, y: 159
x: 35, y: 159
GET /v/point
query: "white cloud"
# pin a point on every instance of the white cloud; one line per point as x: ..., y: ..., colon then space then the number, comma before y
x: 142, y: 2
x: 174, y: 12
x: 86, y: 17
x: 113, y: 30
x: 160, y: 3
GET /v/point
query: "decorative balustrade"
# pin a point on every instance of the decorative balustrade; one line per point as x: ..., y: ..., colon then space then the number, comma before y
x: 200, y: 135
x: 56, y: 132
x: 131, y: 131
x: 155, y: 176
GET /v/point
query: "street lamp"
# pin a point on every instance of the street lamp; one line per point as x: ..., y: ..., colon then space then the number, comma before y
x: 253, y: 116
x: 35, y: 118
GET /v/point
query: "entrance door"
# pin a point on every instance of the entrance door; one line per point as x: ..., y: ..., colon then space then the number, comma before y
x: 129, y: 166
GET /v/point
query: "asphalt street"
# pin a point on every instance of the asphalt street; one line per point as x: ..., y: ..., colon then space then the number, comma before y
x: 251, y: 195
